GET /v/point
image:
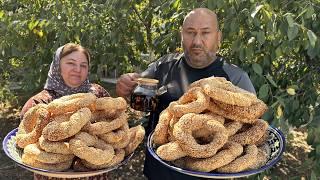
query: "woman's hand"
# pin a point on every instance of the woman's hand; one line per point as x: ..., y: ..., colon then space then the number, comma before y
x: 126, y: 83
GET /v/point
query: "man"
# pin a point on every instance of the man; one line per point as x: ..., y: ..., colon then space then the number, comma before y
x: 200, y: 38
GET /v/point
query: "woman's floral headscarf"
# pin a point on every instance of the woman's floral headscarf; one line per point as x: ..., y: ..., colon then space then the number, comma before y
x: 56, y: 83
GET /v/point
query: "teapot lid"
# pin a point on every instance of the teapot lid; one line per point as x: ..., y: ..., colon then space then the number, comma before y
x: 147, y: 81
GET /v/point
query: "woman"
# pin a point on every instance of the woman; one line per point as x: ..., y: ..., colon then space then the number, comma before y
x: 68, y: 75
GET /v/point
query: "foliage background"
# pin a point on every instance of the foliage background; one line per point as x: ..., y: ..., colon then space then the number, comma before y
x: 276, y: 42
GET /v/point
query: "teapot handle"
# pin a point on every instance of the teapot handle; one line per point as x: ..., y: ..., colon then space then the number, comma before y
x: 162, y: 90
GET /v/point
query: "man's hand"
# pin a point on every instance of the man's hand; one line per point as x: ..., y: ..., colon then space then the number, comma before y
x: 126, y: 83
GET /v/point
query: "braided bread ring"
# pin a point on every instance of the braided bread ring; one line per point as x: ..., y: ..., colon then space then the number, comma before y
x: 71, y: 103
x: 46, y: 157
x: 104, y: 103
x: 117, y: 135
x: 24, y: 138
x: 59, y: 147
x: 249, y: 112
x: 218, y: 88
x: 213, y: 107
x: 230, y: 151
x: 136, y: 136
x: 243, y: 162
x: 30, y: 160
x: 101, y: 115
x: 118, y: 157
x: 193, y: 101
x: 170, y: 151
x: 262, y: 158
x: 233, y: 127
x: 190, y: 122
x: 108, y: 126
x: 252, y: 135
x: 160, y: 135
x: 204, y: 132
x: 56, y: 131
x: 30, y: 117
x: 100, y: 153
x: 123, y: 142
x: 172, y: 122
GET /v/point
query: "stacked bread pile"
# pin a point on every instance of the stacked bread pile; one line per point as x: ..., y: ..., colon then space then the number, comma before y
x: 80, y: 129
x: 214, y: 126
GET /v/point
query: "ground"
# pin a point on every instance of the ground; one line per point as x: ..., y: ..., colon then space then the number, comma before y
x: 290, y: 165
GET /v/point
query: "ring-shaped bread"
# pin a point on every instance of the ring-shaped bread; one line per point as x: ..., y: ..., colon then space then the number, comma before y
x: 71, y: 103
x: 230, y: 151
x: 57, y: 130
x: 24, y: 138
x: 193, y: 101
x: 190, y: 122
x: 91, y: 149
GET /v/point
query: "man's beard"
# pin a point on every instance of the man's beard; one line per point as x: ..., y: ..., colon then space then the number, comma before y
x: 207, y: 57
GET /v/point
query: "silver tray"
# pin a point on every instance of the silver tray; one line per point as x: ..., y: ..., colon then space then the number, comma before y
x: 275, y: 146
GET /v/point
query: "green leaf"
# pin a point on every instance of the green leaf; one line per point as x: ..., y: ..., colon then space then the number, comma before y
x: 292, y: 32
x: 264, y: 91
x: 313, y: 176
x: 234, y: 26
x: 278, y: 52
x: 177, y: 4
x: 242, y: 54
x: 270, y: 79
x: 291, y: 91
x: 261, y: 37
x: 15, y: 51
x: 267, y: 14
x: 249, y: 52
x: 289, y: 19
x: 32, y: 24
x: 268, y: 115
x: 295, y: 105
x: 280, y: 100
x: 1, y: 14
x: 310, y: 12
x: 318, y: 150
x: 311, y: 135
x: 312, y: 52
x: 211, y: 4
x: 235, y: 45
x: 279, y: 113
x: 256, y: 10
x: 219, y: 3
x: 312, y: 38
x: 257, y: 68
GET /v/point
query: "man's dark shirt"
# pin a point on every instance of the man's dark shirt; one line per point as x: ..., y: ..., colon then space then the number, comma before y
x: 174, y: 75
